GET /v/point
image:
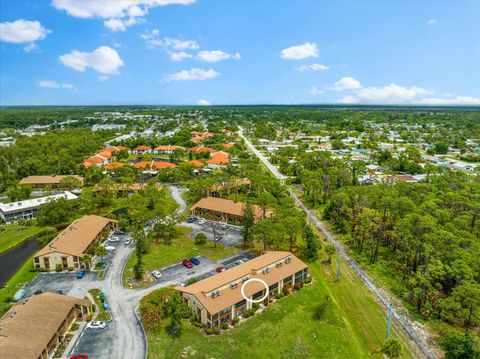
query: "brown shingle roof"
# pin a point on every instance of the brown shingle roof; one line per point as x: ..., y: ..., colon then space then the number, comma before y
x: 253, y: 269
x: 76, y: 238
x: 27, y: 328
x: 224, y: 206
x: 36, y: 180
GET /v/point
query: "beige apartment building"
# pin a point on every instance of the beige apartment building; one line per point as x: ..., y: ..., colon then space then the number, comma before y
x: 218, y: 299
x: 68, y: 248
x: 223, y: 209
x: 34, y: 327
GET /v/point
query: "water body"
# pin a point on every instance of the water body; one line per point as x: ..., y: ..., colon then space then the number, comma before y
x: 11, y: 261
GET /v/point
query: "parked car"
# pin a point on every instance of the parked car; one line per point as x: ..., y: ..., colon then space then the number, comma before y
x: 105, y: 306
x: 195, y: 261
x: 79, y: 356
x: 59, y: 291
x: 81, y: 274
x: 110, y: 248
x: 238, y: 262
x: 37, y: 292
x: 202, y: 221
x: 114, y: 239
x: 96, y: 325
x: 220, y: 269
x: 224, y: 226
x: 157, y: 274
x: 128, y: 242
x: 187, y: 263
x: 119, y: 232
x: 191, y: 219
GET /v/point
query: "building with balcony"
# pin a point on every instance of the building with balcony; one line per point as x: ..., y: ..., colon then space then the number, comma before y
x: 218, y: 299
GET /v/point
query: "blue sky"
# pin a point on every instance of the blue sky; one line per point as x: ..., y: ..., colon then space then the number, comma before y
x: 81, y: 52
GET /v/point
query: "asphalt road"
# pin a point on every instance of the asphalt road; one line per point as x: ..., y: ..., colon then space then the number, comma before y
x: 414, y: 330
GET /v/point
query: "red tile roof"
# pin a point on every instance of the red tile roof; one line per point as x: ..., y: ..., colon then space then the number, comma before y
x: 142, y: 148
x: 201, y: 149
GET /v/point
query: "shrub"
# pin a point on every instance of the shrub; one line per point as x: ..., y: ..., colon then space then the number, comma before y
x: 70, y: 269
x: 93, y: 307
x: 392, y: 348
x: 209, y: 331
x: 224, y: 326
x: 191, y: 281
x: 74, y: 327
x: 89, y: 317
x: 216, y: 330
x: 320, y: 309
x: 235, y: 320
x: 200, y: 238
x: 197, y: 324
x: 285, y: 290
x: 58, y: 267
x: 255, y: 306
x: 248, y: 313
x: 279, y: 295
x: 308, y: 279
x: 297, y: 286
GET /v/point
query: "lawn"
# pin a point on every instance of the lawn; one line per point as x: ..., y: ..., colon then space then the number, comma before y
x: 14, y: 234
x: 103, y: 315
x: 354, y: 326
x: 161, y: 255
x: 20, y: 278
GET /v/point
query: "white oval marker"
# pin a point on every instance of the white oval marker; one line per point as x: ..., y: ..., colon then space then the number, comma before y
x: 256, y: 300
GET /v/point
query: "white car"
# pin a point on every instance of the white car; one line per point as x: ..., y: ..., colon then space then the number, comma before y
x: 202, y: 221
x: 96, y: 325
x: 110, y: 248
x: 114, y: 239
x: 127, y: 242
x: 157, y: 274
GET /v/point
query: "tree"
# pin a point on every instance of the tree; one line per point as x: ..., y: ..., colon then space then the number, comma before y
x: 139, y: 237
x: 248, y: 220
x: 200, y: 238
x: 311, y: 250
x: 70, y: 183
x: 330, y: 251
x: 55, y: 212
x: 458, y: 346
x: 441, y: 148
x: 86, y: 260
x: 392, y: 348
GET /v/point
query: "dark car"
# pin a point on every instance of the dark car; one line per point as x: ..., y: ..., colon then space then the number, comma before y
x: 37, y: 292
x: 195, y: 261
x: 220, y: 269
x: 119, y: 232
x: 191, y: 219
x: 187, y: 263
x: 81, y: 274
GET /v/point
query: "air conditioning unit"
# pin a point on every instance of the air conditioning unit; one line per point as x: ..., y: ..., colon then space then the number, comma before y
x: 288, y: 260
x: 278, y: 264
x: 244, y: 279
x: 266, y: 270
x: 233, y: 285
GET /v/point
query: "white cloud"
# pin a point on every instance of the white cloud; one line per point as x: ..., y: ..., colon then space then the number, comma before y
x: 348, y: 100
x: 120, y: 14
x: 203, y: 103
x: 179, y: 55
x: 431, y: 22
x: 316, y: 91
x: 215, y: 56
x: 104, y: 60
x: 391, y: 94
x: 312, y: 67
x: 116, y: 24
x: 22, y: 31
x: 30, y: 47
x: 55, y: 85
x: 308, y: 49
x: 459, y: 100
x: 150, y: 34
x: 178, y: 44
x: 103, y: 78
x: 346, y: 83
x: 107, y: 9
x: 192, y: 74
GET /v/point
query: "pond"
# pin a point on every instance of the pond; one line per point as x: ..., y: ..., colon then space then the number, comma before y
x: 12, y: 260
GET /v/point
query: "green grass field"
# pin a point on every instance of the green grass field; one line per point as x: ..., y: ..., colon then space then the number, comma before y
x: 13, y: 235
x: 354, y: 326
x: 162, y: 255
x: 15, y: 283
x: 102, y: 314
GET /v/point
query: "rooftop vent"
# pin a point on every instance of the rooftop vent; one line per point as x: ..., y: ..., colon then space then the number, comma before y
x: 266, y: 270
x: 244, y: 279
x: 288, y: 260
x: 215, y: 293
x: 233, y: 285
x: 278, y: 264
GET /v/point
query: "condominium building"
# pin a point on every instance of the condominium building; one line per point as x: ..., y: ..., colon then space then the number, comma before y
x: 33, y: 328
x: 67, y: 249
x: 218, y: 299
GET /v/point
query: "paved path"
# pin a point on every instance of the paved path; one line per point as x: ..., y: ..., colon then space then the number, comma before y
x: 128, y: 337
x: 419, y: 335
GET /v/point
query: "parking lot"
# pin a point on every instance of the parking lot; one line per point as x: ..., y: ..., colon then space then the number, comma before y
x: 96, y: 343
x: 230, y: 236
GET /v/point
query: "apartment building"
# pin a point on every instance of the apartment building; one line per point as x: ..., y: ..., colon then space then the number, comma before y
x: 218, y: 299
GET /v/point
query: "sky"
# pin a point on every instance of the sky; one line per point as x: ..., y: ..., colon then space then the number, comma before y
x: 187, y: 52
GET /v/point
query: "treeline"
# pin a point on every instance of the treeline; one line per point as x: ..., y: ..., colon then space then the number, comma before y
x: 54, y: 153
x: 426, y: 236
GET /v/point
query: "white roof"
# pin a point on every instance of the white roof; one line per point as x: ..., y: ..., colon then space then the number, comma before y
x: 35, y: 202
